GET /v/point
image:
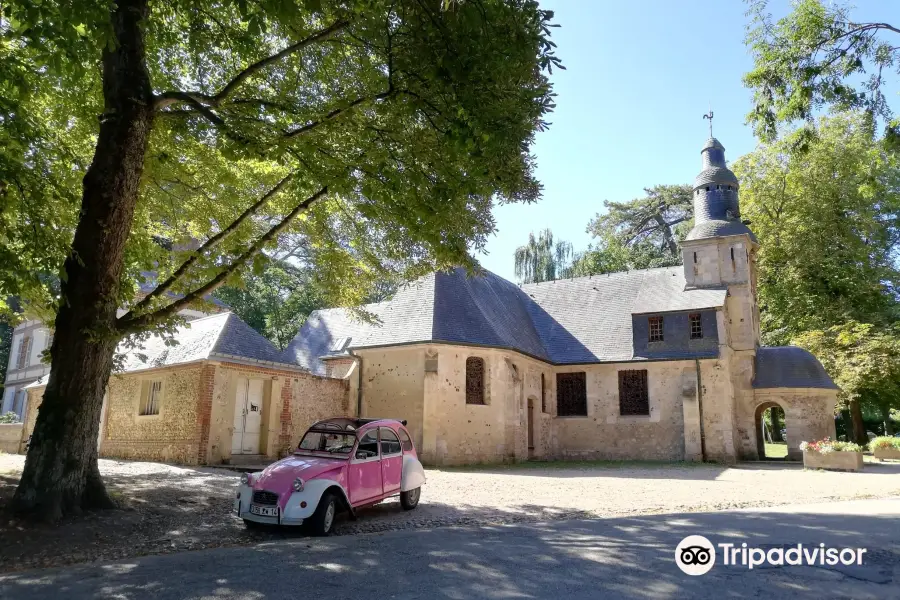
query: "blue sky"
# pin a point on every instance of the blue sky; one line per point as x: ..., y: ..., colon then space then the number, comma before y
x: 639, y: 76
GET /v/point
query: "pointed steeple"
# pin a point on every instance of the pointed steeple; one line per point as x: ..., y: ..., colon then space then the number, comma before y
x: 717, y: 211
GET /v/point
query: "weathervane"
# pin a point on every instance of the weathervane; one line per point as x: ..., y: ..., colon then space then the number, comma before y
x: 710, y: 117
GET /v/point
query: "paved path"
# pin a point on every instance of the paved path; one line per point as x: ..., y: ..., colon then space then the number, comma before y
x: 608, y: 558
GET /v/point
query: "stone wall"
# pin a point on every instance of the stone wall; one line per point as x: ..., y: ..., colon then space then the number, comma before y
x: 195, y: 423
x: 393, y: 386
x: 10, y: 437
x: 605, y: 434
x: 292, y: 401
x: 808, y: 416
x: 171, y: 436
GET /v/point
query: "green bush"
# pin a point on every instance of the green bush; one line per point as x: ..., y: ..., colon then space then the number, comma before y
x: 884, y: 442
x: 9, y: 417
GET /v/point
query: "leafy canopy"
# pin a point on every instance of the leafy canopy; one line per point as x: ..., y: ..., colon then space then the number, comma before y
x: 815, y: 57
x: 377, y: 134
x: 828, y: 223
x: 642, y: 233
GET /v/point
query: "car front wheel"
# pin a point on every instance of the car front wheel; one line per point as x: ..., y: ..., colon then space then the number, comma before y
x: 322, y: 520
x: 409, y: 500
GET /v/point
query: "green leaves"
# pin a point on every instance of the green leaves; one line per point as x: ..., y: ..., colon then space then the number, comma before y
x: 827, y: 216
x: 416, y: 119
x: 817, y: 55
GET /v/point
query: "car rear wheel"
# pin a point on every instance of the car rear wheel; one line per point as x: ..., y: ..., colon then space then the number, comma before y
x: 409, y: 500
x: 322, y: 520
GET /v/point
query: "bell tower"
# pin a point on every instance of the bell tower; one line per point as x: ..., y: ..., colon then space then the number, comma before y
x: 721, y: 250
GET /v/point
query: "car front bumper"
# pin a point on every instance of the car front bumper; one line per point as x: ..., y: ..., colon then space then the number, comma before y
x: 292, y: 514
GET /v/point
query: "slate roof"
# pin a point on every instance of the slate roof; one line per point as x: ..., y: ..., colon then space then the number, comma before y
x: 583, y: 320
x: 719, y: 228
x: 789, y: 367
x: 217, y: 336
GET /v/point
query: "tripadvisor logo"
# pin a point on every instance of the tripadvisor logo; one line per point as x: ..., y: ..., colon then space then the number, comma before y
x: 695, y: 555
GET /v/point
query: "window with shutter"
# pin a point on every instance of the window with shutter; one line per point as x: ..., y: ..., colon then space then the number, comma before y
x: 474, y: 380
x: 571, y: 394
x: 634, y: 398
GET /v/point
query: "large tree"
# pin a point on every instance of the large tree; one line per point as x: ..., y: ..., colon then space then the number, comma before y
x: 827, y: 215
x: 639, y: 234
x: 819, y: 55
x: 381, y: 131
x: 543, y: 258
x: 828, y: 222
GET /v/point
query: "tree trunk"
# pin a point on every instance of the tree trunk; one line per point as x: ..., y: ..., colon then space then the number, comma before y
x: 61, y: 474
x: 858, y: 428
x: 888, y: 425
x: 776, y: 424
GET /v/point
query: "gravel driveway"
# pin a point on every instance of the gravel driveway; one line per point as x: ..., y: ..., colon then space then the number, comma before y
x: 168, y: 508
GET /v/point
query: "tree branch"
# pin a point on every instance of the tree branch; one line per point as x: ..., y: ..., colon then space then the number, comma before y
x: 166, y: 285
x: 168, y: 98
x: 137, y: 323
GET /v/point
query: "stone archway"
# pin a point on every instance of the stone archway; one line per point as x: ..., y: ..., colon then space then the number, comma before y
x: 777, y: 438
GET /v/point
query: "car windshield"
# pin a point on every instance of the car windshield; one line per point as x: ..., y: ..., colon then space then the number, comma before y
x: 328, y: 441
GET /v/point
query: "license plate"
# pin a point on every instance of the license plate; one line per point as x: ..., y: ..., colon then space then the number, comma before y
x: 264, y: 511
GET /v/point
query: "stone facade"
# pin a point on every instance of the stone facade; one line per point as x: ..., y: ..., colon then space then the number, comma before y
x: 10, y: 437
x: 195, y: 422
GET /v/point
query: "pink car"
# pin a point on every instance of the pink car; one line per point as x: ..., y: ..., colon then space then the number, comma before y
x: 341, y: 464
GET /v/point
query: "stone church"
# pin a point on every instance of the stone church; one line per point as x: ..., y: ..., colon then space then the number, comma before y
x: 657, y: 364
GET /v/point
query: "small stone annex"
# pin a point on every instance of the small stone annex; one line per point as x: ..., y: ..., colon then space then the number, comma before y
x: 220, y: 395
x: 660, y: 364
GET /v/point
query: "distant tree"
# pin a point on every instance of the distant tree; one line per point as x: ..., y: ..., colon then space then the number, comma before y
x: 274, y: 302
x: 865, y: 363
x: 640, y: 234
x: 543, y: 259
x: 816, y: 56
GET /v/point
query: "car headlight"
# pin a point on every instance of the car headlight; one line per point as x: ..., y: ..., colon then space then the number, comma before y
x: 248, y: 478
x: 298, y: 485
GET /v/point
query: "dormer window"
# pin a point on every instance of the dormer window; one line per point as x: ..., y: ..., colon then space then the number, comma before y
x: 656, y: 329
x: 696, y: 326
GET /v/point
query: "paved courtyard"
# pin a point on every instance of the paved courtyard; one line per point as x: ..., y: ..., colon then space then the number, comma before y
x: 169, y: 509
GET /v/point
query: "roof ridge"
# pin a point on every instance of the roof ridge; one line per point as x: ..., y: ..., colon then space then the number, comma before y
x: 600, y: 275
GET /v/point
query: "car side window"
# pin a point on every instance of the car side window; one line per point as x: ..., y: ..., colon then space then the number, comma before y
x: 390, y: 443
x: 405, y: 441
x: 368, y: 445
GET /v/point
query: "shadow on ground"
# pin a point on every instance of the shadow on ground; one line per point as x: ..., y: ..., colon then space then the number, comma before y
x: 612, y: 558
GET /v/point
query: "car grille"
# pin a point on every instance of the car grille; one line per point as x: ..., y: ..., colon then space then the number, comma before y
x: 265, y: 497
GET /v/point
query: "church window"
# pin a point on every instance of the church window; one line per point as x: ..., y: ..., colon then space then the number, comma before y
x: 543, y: 394
x: 696, y: 326
x: 695, y: 258
x: 634, y: 398
x: 475, y: 380
x: 656, y: 329
x: 571, y: 394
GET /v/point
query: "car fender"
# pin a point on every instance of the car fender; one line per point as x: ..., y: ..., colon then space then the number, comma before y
x: 413, y: 473
x: 312, y: 493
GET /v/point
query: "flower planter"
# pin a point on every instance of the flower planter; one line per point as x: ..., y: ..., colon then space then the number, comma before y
x: 887, y: 453
x: 838, y: 461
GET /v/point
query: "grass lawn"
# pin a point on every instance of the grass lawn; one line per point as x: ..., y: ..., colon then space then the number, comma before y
x: 776, y: 450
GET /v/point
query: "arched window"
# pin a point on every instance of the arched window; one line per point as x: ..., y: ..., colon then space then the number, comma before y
x: 475, y: 380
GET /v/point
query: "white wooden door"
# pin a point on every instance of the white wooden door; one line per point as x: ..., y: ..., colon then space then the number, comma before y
x: 247, y: 416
